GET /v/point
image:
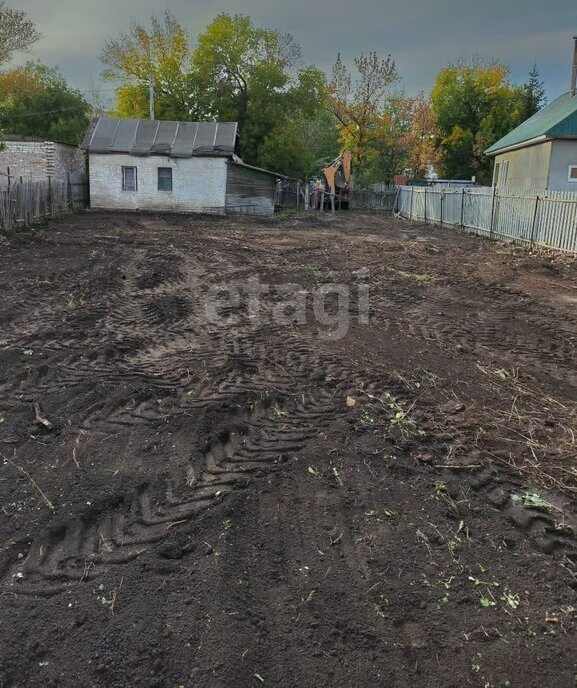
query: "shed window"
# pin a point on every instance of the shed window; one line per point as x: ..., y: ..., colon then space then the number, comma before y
x: 165, y: 178
x: 572, y: 173
x: 129, y: 179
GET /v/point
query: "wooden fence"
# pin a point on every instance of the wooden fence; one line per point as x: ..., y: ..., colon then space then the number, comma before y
x: 290, y: 194
x: 26, y: 202
x: 547, y: 218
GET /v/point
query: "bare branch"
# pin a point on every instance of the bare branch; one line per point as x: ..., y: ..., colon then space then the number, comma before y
x: 17, y: 32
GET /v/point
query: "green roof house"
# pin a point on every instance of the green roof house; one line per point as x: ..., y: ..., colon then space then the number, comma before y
x: 541, y: 153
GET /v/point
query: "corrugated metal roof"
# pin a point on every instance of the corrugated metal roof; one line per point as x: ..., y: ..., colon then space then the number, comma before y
x: 155, y: 137
x: 557, y: 120
x: 237, y: 161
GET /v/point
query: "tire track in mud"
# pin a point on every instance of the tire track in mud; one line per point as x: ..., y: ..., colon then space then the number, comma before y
x: 549, y: 529
x: 283, y: 390
x: 284, y: 396
x: 515, y: 330
x: 123, y: 527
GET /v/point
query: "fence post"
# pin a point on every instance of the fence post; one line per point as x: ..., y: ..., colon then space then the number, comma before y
x: 411, y: 206
x: 463, y: 209
x: 492, y: 212
x: 442, y: 204
x: 69, y: 195
x: 50, y: 195
x: 396, y: 201
x: 425, y: 205
x: 534, y: 225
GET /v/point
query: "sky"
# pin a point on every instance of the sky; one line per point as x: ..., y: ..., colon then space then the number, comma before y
x: 421, y: 35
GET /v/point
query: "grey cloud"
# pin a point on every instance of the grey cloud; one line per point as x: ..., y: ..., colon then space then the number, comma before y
x: 421, y: 35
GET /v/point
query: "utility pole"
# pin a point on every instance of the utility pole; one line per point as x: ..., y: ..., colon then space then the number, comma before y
x: 573, y: 85
x: 151, y: 90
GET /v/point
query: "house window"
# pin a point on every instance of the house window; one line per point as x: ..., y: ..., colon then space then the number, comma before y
x: 496, y: 174
x: 129, y: 179
x: 504, y: 173
x: 165, y: 178
x: 572, y: 173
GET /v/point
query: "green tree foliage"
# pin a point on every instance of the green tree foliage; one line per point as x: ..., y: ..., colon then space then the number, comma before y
x: 255, y: 76
x: 475, y: 104
x: 36, y: 101
x: 302, y: 146
x: 237, y: 72
x: 160, y: 51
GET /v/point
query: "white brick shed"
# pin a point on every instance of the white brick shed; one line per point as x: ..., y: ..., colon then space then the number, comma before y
x: 173, y: 166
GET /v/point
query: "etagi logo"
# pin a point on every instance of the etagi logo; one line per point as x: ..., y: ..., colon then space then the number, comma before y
x: 256, y: 303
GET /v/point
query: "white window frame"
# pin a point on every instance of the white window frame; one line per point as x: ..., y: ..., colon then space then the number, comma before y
x: 570, y: 178
x: 124, y: 185
x: 171, y: 179
x: 505, y: 173
x: 496, y: 173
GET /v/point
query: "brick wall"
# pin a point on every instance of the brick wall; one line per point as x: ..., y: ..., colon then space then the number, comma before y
x: 66, y: 159
x: 197, y: 183
x: 37, y: 160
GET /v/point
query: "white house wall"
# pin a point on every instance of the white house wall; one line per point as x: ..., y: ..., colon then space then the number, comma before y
x: 197, y: 183
x: 564, y: 154
x: 528, y: 167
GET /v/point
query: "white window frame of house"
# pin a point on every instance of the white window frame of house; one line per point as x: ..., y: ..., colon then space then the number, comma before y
x: 496, y: 173
x: 164, y: 170
x: 572, y: 174
x: 133, y: 186
x: 505, y: 173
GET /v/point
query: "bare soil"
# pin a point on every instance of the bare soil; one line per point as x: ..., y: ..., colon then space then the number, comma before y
x: 238, y: 502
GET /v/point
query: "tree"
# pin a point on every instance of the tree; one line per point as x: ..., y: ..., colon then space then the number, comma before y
x: 254, y: 76
x: 301, y: 146
x: 406, y: 140
x: 238, y: 72
x: 38, y: 102
x: 160, y: 52
x: 534, y: 94
x: 424, y: 155
x: 234, y: 59
x: 474, y: 104
x: 358, y: 104
x: 17, y: 32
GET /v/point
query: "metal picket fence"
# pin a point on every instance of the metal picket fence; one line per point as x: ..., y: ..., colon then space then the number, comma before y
x: 546, y: 218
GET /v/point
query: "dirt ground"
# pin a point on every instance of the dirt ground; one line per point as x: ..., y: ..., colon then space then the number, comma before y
x: 198, y: 496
